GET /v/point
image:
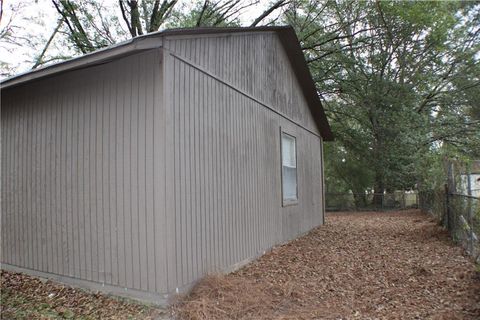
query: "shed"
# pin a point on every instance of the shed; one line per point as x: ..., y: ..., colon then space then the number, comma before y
x: 142, y: 167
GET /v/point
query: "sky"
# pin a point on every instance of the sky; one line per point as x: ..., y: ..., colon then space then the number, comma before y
x: 28, y: 17
x: 33, y: 21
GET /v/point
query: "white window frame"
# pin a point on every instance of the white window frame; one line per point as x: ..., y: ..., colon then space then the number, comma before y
x: 288, y: 201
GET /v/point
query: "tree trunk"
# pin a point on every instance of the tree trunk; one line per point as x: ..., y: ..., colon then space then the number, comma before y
x: 378, y: 190
x: 360, y: 200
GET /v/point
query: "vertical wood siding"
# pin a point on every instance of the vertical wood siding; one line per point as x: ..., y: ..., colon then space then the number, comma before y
x: 148, y: 175
x: 255, y: 63
x: 79, y: 159
x: 225, y: 200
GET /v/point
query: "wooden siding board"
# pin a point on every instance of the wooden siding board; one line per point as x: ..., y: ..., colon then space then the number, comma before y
x: 100, y: 210
x: 21, y: 252
x: 90, y: 174
x: 69, y: 178
x: 10, y: 164
x: 6, y: 244
x: 11, y: 173
x: 127, y: 154
x: 120, y: 174
x: 142, y: 156
x: 36, y: 192
x: 219, y: 148
x: 226, y: 250
x: 148, y: 174
x: 193, y: 114
x: 210, y: 231
x: 7, y: 217
x: 63, y: 192
x: 27, y: 185
x: 83, y: 156
x: 166, y: 241
x: 177, y: 178
x: 32, y: 185
x: 23, y: 191
x: 241, y: 194
x: 191, y: 248
x: 113, y: 175
x: 48, y: 181
x: 183, y: 222
x: 201, y: 170
x: 134, y: 150
x: 76, y: 186
x: 251, y: 180
x: 3, y: 204
x: 210, y: 178
x: 105, y: 167
x: 171, y: 169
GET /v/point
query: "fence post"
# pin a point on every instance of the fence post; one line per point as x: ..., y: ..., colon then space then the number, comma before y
x: 470, y: 208
x: 447, y: 209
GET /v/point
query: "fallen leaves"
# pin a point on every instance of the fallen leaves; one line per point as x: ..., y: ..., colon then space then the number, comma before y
x: 25, y: 297
x: 393, y: 265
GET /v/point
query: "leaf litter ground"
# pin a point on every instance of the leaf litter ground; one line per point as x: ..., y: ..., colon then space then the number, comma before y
x: 392, y: 265
x: 388, y: 265
x: 25, y: 297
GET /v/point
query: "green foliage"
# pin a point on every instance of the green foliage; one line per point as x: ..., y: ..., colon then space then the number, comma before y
x: 400, y: 84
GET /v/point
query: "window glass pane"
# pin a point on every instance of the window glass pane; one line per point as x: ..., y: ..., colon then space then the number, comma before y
x: 289, y: 167
x: 288, y: 151
x: 289, y: 183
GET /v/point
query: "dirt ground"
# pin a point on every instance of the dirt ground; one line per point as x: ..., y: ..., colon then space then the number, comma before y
x: 393, y: 265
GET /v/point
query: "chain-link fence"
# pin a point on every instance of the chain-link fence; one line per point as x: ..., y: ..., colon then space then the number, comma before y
x: 459, y: 214
x: 370, y: 201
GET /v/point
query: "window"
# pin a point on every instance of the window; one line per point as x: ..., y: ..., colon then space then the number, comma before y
x: 289, y: 169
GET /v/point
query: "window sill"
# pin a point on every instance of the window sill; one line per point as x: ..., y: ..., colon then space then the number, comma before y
x: 288, y: 203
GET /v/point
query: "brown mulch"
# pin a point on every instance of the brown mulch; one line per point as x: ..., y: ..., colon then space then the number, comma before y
x: 25, y: 297
x: 393, y: 265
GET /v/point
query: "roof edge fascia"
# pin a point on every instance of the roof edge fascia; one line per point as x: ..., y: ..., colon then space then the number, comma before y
x: 122, y: 49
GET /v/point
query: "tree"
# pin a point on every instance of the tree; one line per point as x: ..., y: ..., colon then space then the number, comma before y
x: 388, y: 73
x: 20, y: 42
x: 90, y: 25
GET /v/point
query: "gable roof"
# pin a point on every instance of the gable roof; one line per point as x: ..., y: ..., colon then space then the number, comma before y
x: 286, y: 34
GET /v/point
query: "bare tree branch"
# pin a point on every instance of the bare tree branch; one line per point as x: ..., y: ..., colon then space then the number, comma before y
x: 135, y: 18
x: 124, y: 15
x: 78, y: 34
x: 267, y: 12
x: 160, y: 13
x: 202, y: 13
x: 39, y: 59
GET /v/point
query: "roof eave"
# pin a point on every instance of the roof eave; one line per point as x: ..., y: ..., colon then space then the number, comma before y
x: 122, y: 49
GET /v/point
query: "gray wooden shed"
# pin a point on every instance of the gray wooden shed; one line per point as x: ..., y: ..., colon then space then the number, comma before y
x: 142, y: 167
